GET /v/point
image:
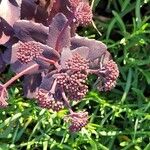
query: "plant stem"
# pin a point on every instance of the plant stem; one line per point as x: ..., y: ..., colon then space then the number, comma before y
x: 96, y: 71
x: 66, y: 102
x: 47, y: 60
x: 19, y: 75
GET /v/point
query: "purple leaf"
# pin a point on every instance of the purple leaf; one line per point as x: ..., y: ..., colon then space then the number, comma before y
x: 31, y: 11
x: 28, y: 9
x: 9, y: 13
x: 47, y: 82
x: 30, y: 31
x: 58, y: 7
x: 18, y: 67
x: 30, y: 84
x: 14, y: 2
x: 55, y: 34
x: 6, y: 31
x: 2, y: 64
x: 97, y: 48
x: 49, y: 52
x: 82, y: 51
x: 65, y: 55
x: 13, y: 53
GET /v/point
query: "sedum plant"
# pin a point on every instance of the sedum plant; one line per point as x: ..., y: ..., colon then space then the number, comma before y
x: 54, y: 60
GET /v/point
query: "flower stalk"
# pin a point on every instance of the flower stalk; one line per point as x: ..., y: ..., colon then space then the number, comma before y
x: 19, y: 75
x: 67, y: 102
x: 47, y: 60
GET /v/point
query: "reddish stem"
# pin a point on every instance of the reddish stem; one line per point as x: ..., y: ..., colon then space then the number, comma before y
x: 66, y: 102
x: 96, y: 71
x: 19, y: 75
x: 47, y: 60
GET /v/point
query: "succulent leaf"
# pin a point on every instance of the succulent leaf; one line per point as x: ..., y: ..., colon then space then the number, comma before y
x: 10, y: 12
x: 97, y: 48
x: 31, y: 84
x: 55, y: 36
x: 30, y: 31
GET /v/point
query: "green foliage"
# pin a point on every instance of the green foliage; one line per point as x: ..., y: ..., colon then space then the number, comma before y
x: 120, y: 119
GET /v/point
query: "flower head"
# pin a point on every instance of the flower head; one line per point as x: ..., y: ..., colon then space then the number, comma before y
x: 47, y: 100
x: 77, y: 121
x: 110, y: 76
x: 83, y: 13
x: 77, y: 62
x: 73, y: 85
x: 73, y: 80
x: 74, y: 3
x: 28, y: 51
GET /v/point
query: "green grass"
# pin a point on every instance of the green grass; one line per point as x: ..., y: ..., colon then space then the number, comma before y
x: 120, y: 119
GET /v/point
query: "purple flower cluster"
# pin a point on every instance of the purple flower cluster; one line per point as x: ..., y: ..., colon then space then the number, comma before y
x: 47, y: 100
x: 28, y: 51
x: 110, y: 75
x: 54, y: 61
x: 77, y: 121
x: 82, y: 11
